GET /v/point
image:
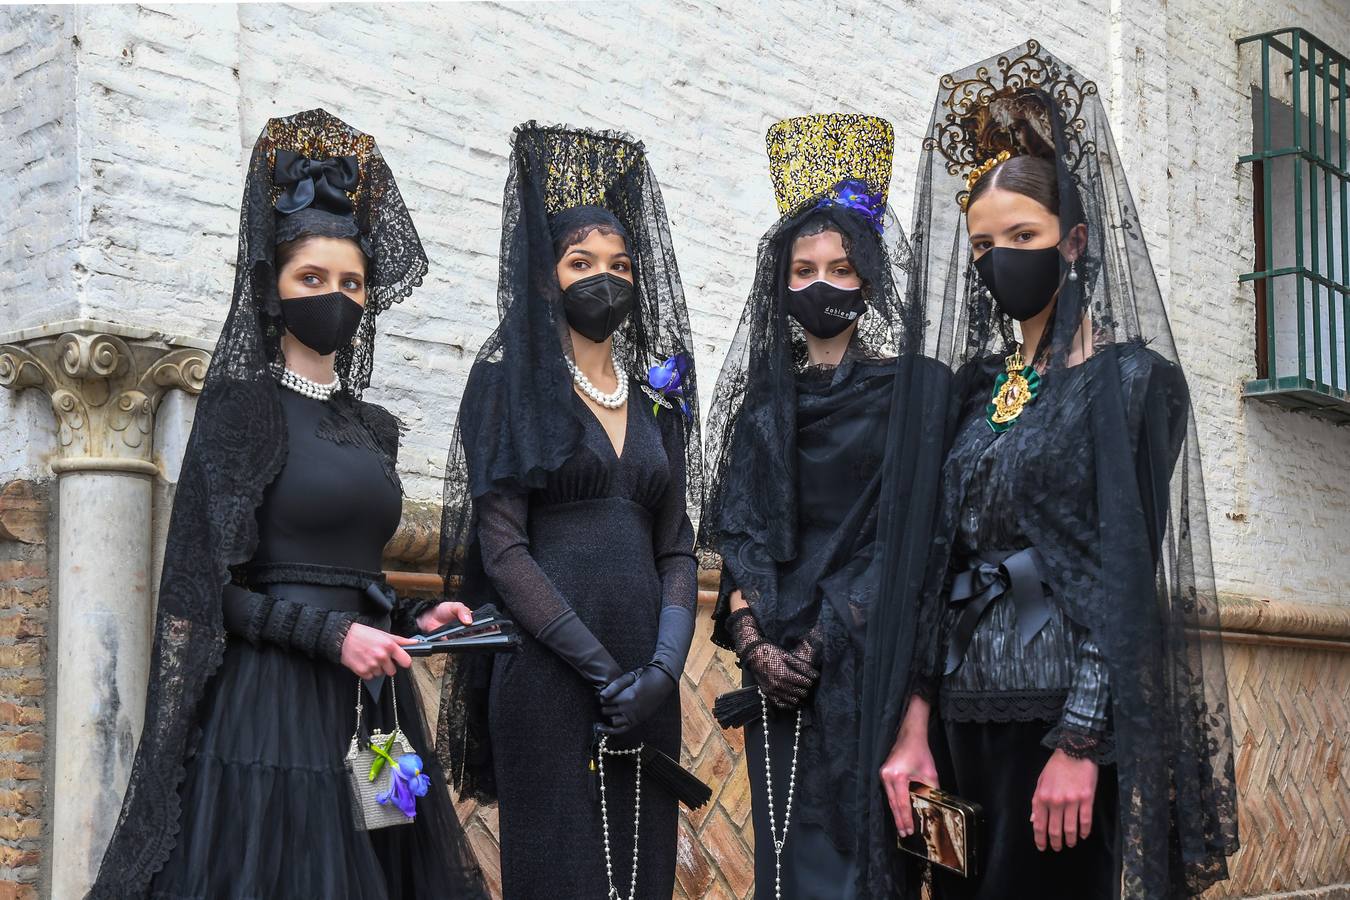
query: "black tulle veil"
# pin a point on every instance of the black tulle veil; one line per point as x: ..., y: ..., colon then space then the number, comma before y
x: 1124, y: 532
x: 516, y: 422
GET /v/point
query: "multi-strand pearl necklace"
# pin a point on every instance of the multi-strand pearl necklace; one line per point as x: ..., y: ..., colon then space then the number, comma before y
x: 779, y: 839
x: 601, y: 752
x: 303, y: 386
x: 608, y: 401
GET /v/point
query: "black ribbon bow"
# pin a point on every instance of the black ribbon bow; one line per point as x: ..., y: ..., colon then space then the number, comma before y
x: 322, y: 183
x: 989, y: 577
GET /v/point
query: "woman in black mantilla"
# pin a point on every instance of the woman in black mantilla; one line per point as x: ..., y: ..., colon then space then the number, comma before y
x: 800, y: 428
x: 569, y: 485
x: 272, y: 607
x: 1067, y: 634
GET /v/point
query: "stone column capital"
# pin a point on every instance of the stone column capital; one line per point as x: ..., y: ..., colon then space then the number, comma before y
x: 104, y: 382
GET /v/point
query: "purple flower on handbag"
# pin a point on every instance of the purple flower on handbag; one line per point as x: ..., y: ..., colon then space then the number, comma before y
x: 667, y: 379
x: 406, y: 784
x: 851, y: 193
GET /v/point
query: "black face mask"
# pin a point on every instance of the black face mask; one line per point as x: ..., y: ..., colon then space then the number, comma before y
x: 323, y: 322
x: 597, y: 305
x: 825, y: 310
x: 1022, y: 281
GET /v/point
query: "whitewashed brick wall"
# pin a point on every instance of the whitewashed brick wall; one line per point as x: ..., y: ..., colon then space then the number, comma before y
x: 124, y: 131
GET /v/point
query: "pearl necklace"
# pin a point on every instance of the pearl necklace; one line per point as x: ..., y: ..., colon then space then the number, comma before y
x: 600, y: 755
x: 304, y: 386
x: 779, y: 840
x: 608, y: 401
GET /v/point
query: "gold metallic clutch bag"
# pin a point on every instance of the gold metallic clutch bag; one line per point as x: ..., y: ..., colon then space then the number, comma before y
x: 368, y: 813
x: 946, y: 829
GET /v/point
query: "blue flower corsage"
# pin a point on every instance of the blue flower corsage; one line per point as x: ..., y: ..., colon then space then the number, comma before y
x: 665, y: 385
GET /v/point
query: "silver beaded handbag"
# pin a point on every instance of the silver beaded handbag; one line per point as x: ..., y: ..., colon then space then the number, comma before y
x: 367, y: 812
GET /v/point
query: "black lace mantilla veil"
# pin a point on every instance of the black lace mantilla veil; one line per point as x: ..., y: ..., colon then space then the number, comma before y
x: 1121, y: 519
x: 751, y: 517
x: 516, y: 421
x: 238, y: 446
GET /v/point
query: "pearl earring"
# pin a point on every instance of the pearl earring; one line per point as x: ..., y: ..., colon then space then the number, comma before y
x: 1073, y: 271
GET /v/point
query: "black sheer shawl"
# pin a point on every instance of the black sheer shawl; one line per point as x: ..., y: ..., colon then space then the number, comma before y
x: 1121, y: 515
x: 765, y: 392
x: 237, y: 447
x: 517, y: 420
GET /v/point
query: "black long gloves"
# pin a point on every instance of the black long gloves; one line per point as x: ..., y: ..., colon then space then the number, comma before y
x: 633, y: 697
x: 574, y: 643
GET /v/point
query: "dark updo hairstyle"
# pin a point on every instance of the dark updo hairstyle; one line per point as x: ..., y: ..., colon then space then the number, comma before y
x: 1035, y: 177
x: 1030, y: 176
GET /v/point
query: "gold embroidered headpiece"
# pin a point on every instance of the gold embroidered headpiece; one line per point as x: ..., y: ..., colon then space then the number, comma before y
x: 578, y: 167
x: 992, y: 116
x: 318, y: 135
x: 809, y: 155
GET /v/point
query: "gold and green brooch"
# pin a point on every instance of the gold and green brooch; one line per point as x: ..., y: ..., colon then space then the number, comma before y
x: 1013, y: 390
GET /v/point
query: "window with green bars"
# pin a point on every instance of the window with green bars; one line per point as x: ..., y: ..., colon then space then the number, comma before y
x: 1301, y: 188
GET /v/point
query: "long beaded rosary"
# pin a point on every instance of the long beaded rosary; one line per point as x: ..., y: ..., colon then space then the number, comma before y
x: 778, y: 840
x: 601, y: 752
x: 608, y: 401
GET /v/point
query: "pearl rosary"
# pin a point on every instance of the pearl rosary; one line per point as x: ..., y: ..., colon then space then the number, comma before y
x: 601, y: 752
x: 779, y: 840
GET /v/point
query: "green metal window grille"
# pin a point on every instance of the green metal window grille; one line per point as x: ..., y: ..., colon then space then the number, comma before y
x: 1302, y: 224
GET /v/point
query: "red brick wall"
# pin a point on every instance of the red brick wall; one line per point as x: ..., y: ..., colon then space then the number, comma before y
x: 23, y: 686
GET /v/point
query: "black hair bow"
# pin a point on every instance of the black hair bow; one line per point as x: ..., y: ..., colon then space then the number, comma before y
x: 322, y: 183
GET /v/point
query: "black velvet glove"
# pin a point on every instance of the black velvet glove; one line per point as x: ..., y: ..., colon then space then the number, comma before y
x: 785, y: 678
x: 632, y: 698
x: 262, y: 618
x: 573, y: 642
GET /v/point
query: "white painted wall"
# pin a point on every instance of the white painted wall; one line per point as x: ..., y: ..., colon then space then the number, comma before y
x: 127, y: 127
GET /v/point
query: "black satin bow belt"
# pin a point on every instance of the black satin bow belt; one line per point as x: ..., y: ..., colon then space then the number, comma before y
x: 322, y: 183
x: 990, y: 576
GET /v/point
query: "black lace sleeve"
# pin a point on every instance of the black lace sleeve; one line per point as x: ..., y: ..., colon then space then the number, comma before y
x: 527, y: 592
x: 673, y: 534
x: 260, y: 618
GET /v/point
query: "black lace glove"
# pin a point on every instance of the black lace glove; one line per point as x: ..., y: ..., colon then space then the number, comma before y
x: 785, y: 678
x: 632, y: 698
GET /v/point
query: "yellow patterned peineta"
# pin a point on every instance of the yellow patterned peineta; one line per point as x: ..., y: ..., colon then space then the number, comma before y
x: 808, y: 155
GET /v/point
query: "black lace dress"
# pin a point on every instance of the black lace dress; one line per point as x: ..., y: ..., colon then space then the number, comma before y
x: 265, y: 807
x: 610, y: 537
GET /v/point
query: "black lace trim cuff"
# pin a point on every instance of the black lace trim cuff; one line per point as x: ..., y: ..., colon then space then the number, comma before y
x: 334, y: 635
x: 925, y: 687
x: 1098, y: 747
x: 406, y: 614
x: 1003, y: 706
